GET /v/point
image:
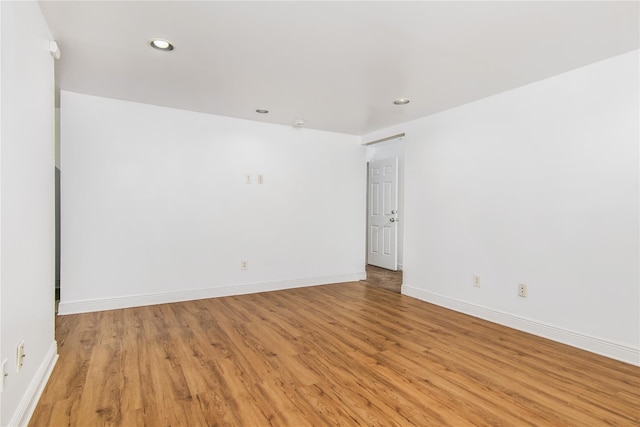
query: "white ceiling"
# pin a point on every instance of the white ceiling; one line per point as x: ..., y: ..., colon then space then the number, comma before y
x: 336, y: 65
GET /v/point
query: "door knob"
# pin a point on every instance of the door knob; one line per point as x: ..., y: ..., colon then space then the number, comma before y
x: 393, y: 220
x: 394, y: 211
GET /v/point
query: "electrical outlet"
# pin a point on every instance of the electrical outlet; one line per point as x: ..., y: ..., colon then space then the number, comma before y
x: 4, y: 373
x: 522, y: 290
x: 244, y: 265
x: 260, y: 179
x: 247, y: 178
x: 20, y: 356
x: 476, y: 280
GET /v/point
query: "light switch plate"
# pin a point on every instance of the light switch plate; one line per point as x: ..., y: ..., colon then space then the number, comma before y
x: 4, y: 374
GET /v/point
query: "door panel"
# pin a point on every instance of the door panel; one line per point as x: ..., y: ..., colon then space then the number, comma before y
x: 374, y: 240
x: 387, y: 241
x: 375, y: 198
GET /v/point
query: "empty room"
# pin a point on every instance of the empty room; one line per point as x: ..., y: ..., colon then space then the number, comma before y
x: 313, y: 213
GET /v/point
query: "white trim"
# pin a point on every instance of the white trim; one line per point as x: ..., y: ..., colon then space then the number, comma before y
x: 400, y: 267
x: 595, y: 345
x: 87, y: 306
x: 29, y: 400
x: 385, y: 139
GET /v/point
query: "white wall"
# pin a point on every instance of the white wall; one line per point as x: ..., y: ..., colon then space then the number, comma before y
x: 389, y: 150
x: 155, y: 207
x: 538, y: 185
x: 27, y: 206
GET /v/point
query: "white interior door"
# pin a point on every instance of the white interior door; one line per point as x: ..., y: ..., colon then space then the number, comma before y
x: 383, y: 214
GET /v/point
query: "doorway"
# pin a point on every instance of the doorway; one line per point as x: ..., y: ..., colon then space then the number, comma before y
x: 384, y: 150
x: 382, y: 216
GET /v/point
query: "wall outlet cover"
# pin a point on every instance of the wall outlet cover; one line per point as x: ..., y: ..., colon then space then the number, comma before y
x: 522, y: 290
x: 476, y: 280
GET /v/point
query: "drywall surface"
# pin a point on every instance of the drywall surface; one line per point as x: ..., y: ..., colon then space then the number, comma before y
x: 156, y: 205
x: 540, y: 186
x: 27, y: 207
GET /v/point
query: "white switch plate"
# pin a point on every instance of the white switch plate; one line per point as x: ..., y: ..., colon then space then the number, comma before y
x: 4, y: 373
x: 244, y: 265
x: 19, y: 356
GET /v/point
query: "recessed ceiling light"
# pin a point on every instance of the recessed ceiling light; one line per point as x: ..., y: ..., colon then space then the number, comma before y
x: 161, y: 44
x: 262, y: 111
x: 402, y: 101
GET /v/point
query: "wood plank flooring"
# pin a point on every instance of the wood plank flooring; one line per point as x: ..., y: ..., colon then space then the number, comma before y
x: 346, y: 354
x: 383, y: 278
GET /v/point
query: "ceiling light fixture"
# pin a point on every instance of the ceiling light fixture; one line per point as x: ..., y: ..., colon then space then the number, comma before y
x: 161, y: 44
x: 402, y: 101
x: 262, y: 111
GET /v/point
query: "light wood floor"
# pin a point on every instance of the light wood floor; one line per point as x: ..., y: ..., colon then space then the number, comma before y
x: 346, y: 354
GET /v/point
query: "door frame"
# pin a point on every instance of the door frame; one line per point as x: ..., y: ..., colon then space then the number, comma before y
x: 373, y: 148
x: 383, y: 221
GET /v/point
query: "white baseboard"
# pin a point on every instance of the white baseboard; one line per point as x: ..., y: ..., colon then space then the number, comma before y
x: 29, y: 400
x: 400, y: 267
x: 87, y: 306
x: 595, y: 345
